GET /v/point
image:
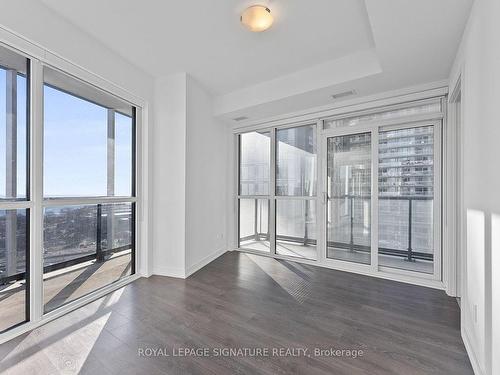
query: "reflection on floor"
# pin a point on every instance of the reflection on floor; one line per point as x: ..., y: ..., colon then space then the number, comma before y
x: 248, y: 301
x: 63, y: 285
x: 291, y: 249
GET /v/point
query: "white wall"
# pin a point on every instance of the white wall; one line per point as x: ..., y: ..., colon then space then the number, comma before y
x: 478, y: 61
x: 190, y: 151
x: 206, y: 190
x: 169, y: 176
x: 37, y: 23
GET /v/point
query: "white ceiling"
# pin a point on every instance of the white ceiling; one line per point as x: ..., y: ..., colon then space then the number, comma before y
x: 314, y: 49
x: 205, y: 38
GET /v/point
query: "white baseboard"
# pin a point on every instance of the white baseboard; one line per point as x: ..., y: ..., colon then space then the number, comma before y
x: 147, y: 275
x: 471, y: 353
x: 203, y: 262
x: 170, y: 272
x: 184, y: 273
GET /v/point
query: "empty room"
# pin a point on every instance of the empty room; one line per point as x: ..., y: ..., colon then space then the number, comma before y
x: 250, y: 187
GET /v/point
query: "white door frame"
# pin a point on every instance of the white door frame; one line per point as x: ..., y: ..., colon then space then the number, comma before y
x: 454, y: 231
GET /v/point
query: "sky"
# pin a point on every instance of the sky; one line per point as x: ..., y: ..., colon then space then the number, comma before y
x: 75, y: 145
x: 21, y: 134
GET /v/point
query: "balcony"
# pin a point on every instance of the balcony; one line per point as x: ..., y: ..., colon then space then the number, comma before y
x: 69, y: 272
x: 405, y: 233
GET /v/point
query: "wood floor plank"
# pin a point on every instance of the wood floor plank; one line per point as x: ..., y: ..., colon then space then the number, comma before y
x: 246, y: 301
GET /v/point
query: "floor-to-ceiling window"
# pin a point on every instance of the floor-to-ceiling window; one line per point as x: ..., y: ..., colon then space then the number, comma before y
x: 296, y: 175
x: 88, y: 189
x: 254, y: 191
x: 406, y: 198
x: 67, y: 190
x: 278, y: 191
x: 14, y: 190
x: 361, y: 192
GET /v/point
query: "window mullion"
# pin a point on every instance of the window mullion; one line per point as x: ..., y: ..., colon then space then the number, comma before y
x: 110, y: 170
x: 36, y: 178
x: 374, y: 200
x: 57, y: 202
x: 272, y: 192
x: 11, y: 169
x: 321, y: 224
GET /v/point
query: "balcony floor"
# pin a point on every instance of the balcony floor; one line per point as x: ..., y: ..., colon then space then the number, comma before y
x: 293, y: 249
x: 390, y: 261
x: 62, y: 286
x: 248, y: 301
x: 70, y: 283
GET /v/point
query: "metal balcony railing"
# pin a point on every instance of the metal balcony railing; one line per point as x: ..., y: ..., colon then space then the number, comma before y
x: 99, y: 255
x: 409, y: 254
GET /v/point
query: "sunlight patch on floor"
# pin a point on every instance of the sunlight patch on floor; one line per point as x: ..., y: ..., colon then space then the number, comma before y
x: 294, y: 284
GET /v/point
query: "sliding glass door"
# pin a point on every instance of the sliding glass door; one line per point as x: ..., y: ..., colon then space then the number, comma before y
x: 359, y: 192
x: 389, y: 176
x: 349, y: 168
x: 406, y: 198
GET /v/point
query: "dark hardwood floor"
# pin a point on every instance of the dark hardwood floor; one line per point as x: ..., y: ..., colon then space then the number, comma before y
x: 246, y: 301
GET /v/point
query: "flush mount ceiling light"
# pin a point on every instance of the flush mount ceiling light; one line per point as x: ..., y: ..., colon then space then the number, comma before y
x: 257, y: 18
